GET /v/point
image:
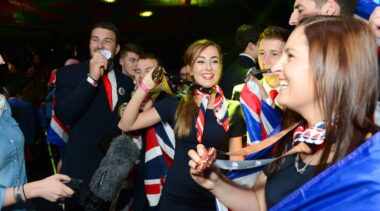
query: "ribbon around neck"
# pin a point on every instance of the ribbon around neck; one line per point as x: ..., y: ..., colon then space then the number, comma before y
x: 247, y: 164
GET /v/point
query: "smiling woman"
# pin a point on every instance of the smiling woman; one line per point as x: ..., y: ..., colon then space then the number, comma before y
x: 335, y: 146
x: 197, y: 117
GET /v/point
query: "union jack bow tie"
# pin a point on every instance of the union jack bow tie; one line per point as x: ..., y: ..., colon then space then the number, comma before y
x: 313, y: 136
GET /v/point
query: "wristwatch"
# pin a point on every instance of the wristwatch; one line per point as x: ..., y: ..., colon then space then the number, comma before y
x: 92, y: 81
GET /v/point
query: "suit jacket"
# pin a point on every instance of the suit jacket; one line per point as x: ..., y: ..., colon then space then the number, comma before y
x: 235, y: 74
x: 86, y: 110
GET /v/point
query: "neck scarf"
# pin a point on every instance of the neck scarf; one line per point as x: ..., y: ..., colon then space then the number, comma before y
x: 220, y: 110
x: 314, y: 136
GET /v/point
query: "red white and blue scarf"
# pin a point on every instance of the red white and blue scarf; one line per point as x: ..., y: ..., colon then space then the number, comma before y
x: 314, y: 136
x: 220, y: 110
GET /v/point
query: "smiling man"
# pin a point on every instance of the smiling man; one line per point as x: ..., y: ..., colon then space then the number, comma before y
x: 88, y: 95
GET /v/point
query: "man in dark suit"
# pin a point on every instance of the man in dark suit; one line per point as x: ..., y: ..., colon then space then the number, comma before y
x: 246, y: 37
x: 88, y: 95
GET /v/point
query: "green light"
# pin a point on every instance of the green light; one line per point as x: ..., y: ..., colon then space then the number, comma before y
x: 19, y: 17
x: 146, y: 14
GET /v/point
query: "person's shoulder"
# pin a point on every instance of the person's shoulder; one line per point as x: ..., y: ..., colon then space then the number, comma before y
x: 167, y: 101
x: 75, y: 69
x: 170, y: 98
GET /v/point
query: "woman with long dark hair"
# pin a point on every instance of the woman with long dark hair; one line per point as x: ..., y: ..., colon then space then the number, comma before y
x: 329, y: 82
x: 198, y: 117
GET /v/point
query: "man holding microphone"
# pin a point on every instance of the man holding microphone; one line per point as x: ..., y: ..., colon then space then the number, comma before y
x: 88, y: 95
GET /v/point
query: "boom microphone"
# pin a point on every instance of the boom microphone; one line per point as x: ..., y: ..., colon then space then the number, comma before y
x: 113, y: 169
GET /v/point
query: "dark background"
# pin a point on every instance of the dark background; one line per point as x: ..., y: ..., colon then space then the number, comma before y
x: 47, y: 27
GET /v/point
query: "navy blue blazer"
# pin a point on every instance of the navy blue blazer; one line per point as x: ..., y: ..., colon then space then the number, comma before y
x: 86, y: 110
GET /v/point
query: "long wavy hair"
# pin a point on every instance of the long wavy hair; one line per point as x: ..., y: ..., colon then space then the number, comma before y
x: 344, y: 65
x: 187, y: 108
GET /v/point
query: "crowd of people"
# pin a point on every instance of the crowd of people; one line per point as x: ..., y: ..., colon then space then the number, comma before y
x: 313, y: 92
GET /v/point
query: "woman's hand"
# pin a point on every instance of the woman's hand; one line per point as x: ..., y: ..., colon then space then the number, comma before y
x: 51, y: 188
x: 148, y: 81
x: 207, y: 178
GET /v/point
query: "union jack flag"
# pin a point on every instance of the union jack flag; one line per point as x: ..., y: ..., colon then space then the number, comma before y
x: 159, y: 154
x: 57, y: 133
x: 262, y: 119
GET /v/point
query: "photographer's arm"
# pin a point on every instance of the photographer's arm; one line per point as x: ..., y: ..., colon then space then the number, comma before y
x: 50, y: 188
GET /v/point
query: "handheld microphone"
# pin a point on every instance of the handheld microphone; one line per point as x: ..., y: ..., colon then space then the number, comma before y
x: 106, y: 54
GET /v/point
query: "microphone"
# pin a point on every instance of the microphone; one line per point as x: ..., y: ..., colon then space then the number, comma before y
x: 106, y: 54
x: 113, y: 169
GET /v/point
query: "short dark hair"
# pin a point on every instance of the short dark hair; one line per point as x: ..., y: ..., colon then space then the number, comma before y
x: 274, y: 32
x: 245, y: 34
x: 107, y: 25
x: 151, y: 56
x: 131, y: 47
x: 347, y: 7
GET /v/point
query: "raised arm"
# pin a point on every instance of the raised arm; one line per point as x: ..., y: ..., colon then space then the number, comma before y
x: 131, y: 118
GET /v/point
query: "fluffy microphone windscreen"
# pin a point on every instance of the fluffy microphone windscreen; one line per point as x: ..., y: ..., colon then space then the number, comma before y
x: 114, y: 168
